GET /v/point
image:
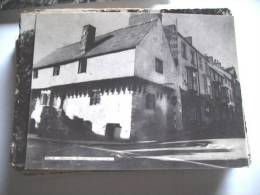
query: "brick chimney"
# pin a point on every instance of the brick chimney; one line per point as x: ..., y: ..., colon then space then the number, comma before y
x: 217, y: 63
x: 139, y: 18
x: 88, y: 37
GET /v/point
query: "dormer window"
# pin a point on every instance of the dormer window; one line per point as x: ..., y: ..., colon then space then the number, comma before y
x: 82, y: 65
x: 56, y: 70
x: 35, y: 73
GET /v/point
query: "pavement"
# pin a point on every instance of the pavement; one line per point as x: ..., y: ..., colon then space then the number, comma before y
x: 83, y: 155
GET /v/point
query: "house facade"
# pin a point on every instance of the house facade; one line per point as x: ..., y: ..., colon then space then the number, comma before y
x: 141, y: 82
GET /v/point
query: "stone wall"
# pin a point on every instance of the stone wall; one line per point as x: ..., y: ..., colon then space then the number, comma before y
x: 152, y: 124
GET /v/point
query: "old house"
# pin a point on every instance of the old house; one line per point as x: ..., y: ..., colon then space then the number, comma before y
x: 141, y: 82
x: 125, y: 79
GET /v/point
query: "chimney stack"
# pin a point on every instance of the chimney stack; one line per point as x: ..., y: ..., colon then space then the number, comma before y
x: 217, y: 63
x: 88, y: 37
x: 210, y: 59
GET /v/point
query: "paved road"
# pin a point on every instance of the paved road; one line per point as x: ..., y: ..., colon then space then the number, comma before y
x: 43, y: 153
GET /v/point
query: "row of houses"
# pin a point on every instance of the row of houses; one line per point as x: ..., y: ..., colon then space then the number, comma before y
x: 141, y: 82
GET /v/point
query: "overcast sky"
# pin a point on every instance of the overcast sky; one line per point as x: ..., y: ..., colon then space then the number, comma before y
x: 213, y: 35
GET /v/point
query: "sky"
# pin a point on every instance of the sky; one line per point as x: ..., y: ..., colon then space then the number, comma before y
x: 212, y: 35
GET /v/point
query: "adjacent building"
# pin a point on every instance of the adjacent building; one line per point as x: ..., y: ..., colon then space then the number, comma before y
x: 141, y: 82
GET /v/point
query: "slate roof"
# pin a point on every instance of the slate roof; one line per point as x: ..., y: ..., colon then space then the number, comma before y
x: 221, y: 71
x: 121, y: 39
x: 232, y: 71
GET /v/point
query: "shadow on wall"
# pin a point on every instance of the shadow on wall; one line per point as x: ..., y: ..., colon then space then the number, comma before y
x: 55, y: 124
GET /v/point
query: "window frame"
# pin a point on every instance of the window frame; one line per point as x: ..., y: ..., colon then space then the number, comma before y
x: 158, y: 65
x: 35, y: 73
x: 56, y: 71
x: 82, y: 67
x: 95, y: 97
x: 45, y: 99
x: 192, y: 59
x: 183, y: 50
x: 201, y: 64
x: 205, y: 81
x: 192, y: 77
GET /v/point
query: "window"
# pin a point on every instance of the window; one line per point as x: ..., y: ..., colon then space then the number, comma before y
x: 200, y: 63
x: 56, y: 70
x: 211, y: 74
x: 45, y: 99
x: 214, y: 76
x: 231, y: 96
x: 192, y: 53
x: 205, y: 84
x: 82, y: 65
x: 95, y: 98
x: 158, y: 65
x: 192, y: 79
x: 176, y: 61
x: 183, y: 50
x: 150, y: 101
x: 207, y: 68
x: 174, y: 100
x: 35, y: 74
x: 225, y: 94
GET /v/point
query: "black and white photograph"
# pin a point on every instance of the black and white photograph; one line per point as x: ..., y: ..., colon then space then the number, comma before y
x: 133, y: 91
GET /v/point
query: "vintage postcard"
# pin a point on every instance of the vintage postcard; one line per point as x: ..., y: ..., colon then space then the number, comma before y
x: 131, y: 91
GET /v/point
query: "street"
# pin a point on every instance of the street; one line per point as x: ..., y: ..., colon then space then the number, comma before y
x: 67, y: 155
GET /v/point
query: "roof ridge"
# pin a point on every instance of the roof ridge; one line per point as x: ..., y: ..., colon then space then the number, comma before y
x: 102, y: 35
x: 138, y: 31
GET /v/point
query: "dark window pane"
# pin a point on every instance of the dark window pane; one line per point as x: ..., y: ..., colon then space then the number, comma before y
x: 44, y: 99
x: 183, y: 50
x: 158, y: 65
x: 35, y: 73
x: 176, y: 61
x: 56, y: 70
x: 192, y: 57
x: 95, y: 98
x: 82, y: 65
